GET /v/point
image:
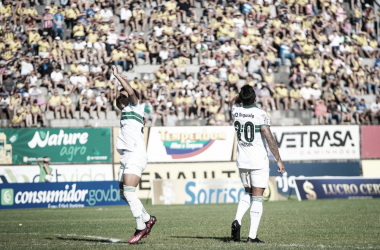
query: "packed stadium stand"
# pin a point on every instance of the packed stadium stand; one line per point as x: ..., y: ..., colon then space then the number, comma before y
x: 310, y: 61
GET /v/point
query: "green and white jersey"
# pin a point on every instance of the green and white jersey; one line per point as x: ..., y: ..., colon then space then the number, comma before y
x: 131, y: 133
x: 252, y: 147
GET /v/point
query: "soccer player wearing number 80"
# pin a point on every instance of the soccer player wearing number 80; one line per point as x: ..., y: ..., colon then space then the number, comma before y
x: 252, y: 126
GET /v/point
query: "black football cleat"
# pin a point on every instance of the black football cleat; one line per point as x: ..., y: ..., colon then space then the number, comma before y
x: 235, y: 231
x: 255, y: 240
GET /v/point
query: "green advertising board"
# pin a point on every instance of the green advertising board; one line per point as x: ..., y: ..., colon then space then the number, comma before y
x: 62, y: 145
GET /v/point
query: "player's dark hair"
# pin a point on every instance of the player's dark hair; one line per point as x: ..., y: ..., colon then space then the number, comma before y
x: 122, y: 99
x: 135, y: 91
x: 247, y: 95
x: 125, y: 99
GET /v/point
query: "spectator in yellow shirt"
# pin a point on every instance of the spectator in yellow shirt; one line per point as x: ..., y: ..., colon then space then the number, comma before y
x: 15, y: 100
x: 33, y: 39
x: 7, y: 53
x: 375, y: 45
x: 233, y: 78
x: 36, y: 112
x: 282, y: 96
x: 6, y: 10
x: 71, y: 15
x: 53, y: 8
x: 32, y: 13
x: 68, y: 47
x: 8, y: 35
x: 118, y: 58
x: 308, y: 48
x: 295, y: 96
x: 99, y: 83
x: 78, y: 31
x: 54, y: 104
x: 15, y: 45
x: 17, y: 121
x: 138, y: 17
x: 220, y: 118
x: 141, y: 51
x: 271, y: 59
x: 74, y: 67
x: 44, y: 47
x: 66, y: 106
x: 171, y: 5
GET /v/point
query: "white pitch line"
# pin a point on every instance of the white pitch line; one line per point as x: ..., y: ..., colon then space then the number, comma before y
x: 112, y: 240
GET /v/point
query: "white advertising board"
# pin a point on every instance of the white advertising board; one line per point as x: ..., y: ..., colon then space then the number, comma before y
x: 60, y: 173
x: 299, y: 143
x: 190, y: 144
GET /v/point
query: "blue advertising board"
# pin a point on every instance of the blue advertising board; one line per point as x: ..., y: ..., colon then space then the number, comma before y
x: 286, y: 183
x: 60, y: 195
x: 313, y: 188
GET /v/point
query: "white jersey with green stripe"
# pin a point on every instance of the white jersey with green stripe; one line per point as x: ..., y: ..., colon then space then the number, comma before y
x: 252, y: 147
x: 131, y: 133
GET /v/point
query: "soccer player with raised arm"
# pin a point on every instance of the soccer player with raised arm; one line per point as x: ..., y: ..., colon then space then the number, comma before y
x: 252, y: 126
x: 130, y: 145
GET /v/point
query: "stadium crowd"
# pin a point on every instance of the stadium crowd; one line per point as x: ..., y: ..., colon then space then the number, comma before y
x: 73, y: 43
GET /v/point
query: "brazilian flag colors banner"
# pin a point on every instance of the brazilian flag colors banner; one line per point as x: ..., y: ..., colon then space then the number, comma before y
x: 61, y: 145
x: 313, y: 188
x: 191, y: 144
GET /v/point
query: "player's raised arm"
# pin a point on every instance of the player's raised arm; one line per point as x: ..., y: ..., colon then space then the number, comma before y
x: 131, y: 93
x: 265, y: 130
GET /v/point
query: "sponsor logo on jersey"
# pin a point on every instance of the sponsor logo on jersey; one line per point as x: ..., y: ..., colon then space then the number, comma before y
x: 185, y: 145
x: 244, y: 115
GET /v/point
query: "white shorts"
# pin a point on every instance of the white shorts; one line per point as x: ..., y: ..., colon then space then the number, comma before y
x: 131, y: 163
x: 254, y: 177
x: 246, y: 47
x: 367, y: 48
x: 44, y: 54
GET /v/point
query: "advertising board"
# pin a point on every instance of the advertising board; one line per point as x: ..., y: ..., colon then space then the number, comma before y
x: 286, y: 182
x: 370, y: 136
x: 168, y: 192
x: 179, y: 171
x: 60, y: 195
x: 371, y: 168
x: 228, y: 170
x: 297, y: 143
x: 190, y: 144
x: 66, y: 145
x: 60, y: 173
x: 313, y: 188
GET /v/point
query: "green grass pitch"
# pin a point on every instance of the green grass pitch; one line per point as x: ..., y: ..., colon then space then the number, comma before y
x: 330, y: 224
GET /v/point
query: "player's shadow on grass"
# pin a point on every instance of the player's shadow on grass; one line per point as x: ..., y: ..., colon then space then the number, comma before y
x: 223, y: 239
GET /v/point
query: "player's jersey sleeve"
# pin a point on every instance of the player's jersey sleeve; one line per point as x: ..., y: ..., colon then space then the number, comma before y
x: 264, y: 119
x: 234, y: 109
